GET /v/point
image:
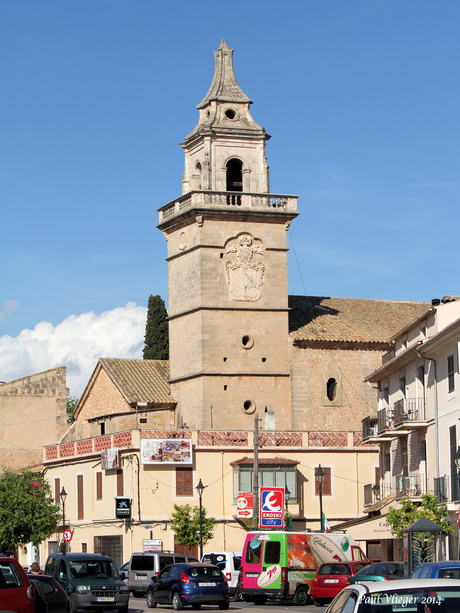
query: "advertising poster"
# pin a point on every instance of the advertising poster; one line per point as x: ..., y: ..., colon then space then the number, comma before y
x: 109, y: 459
x: 166, y: 451
x: 271, y: 507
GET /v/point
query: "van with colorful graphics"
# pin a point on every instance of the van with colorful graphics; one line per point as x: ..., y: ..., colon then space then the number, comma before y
x: 283, y: 565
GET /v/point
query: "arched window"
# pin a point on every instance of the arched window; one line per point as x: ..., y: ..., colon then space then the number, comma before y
x: 234, y: 176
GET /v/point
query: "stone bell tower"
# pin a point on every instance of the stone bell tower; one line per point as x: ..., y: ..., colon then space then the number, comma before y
x: 227, y: 269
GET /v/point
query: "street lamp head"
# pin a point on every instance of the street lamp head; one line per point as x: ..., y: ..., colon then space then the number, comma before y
x: 319, y: 475
x: 287, y: 493
x: 63, y: 495
x: 199, y: 488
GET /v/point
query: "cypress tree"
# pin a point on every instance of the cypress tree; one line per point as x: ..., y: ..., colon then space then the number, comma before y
x: 156, y: 340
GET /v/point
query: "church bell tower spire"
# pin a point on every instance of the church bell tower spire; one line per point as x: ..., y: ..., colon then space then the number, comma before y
x: 227, y: 268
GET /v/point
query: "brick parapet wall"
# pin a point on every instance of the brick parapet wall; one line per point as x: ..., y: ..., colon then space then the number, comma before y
x: 213, y: 439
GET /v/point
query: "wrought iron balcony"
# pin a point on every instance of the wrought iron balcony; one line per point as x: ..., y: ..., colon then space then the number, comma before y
x: 376, y: 493
x: 385, y: 420
x: 409, y: 487
x: 409, y: 409
x: 369, y: 427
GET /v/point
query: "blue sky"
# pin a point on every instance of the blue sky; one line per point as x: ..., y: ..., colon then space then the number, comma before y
x: 361, y: 99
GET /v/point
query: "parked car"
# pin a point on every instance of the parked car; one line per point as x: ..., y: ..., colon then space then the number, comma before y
x: 331, y: 578
x: 380, y: 571
x: 189, y: 584
x: 229, y: 563
x: 407, y: 595
x: 91, y: 580
x: 438, y: 570
x: 123, y: 572
x: 56, y: 598
x: 16, y: 591
x: 144, y: 566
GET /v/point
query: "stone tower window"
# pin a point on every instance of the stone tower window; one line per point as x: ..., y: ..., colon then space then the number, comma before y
x: 234, y: 176
x: 331, y: 389
x: 230, y: 113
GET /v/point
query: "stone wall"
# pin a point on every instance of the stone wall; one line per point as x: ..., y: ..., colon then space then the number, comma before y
x: 32, y: 414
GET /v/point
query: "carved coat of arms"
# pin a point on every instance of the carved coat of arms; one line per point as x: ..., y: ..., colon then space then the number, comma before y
x: 244, y: 276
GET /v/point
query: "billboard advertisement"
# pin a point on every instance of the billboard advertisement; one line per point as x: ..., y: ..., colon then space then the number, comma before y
x: 109, y: 459
x: 271, y: 507
x: 166, y: 451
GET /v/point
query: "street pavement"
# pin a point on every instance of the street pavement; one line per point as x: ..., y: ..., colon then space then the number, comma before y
x: 139, y: 605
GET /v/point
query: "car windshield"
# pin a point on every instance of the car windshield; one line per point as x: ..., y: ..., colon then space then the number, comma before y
x: 438, y: 600
x: 334, y: 569
x: 83, y: 569
x: 203, y: 571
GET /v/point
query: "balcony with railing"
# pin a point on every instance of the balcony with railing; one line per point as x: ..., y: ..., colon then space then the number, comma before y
x: 377, y: 492
x: 369, y: 427
x: 446, y: 488
x: 409, y: 409
x: 410, y: 487
x: 385, y: 420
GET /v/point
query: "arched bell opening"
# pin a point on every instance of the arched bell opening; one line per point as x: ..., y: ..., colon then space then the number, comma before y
x: 234, y: 180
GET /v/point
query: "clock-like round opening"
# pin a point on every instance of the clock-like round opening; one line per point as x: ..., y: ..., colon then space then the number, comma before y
x: 247, y: 341
x: 230, y: 113
x: 249, y: 407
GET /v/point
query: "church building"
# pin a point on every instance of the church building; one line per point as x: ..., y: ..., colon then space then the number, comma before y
x: 242, y: 352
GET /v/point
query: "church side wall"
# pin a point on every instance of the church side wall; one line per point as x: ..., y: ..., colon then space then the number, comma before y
x: 311, y: 369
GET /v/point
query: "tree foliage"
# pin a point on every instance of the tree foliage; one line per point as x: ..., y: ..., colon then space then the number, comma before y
x: 27, y: 509
x: 72, y: 403
x: 156, y: 340
x: 410, y: 512
x: 185, y: 522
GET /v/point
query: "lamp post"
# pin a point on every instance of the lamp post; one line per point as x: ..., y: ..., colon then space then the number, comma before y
x: 63, y: 496
x: 287, y: 495
x: 319, y: 476
x: 200, y: 487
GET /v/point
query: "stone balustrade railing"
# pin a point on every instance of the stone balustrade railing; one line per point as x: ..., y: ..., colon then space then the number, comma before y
x: 212, y: 200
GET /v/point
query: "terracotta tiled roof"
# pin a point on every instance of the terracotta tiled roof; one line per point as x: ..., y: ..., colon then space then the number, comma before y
x: 354, y: 320
x: 140, y: 380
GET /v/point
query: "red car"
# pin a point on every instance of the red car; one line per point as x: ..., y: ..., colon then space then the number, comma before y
x: 16, y: 591
x: 331, y: 578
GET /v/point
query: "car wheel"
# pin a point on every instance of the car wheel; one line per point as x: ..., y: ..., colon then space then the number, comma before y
x: 238, y: 595
x: 223, y: 606
x: 177, y: 602
x: 301, y: 596
x: 150, y: 601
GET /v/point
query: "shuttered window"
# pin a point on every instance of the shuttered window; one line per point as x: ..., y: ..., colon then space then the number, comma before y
x: 184, y: 482
x: 327, y: 491
x: 80, y: 507
x: 57, y: 491
x: 120, y: 490
x: 99, y: 485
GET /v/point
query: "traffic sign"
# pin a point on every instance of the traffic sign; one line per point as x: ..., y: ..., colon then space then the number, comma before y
x: 245, y: 505
x: 68, y: 535
x: 271, y: 507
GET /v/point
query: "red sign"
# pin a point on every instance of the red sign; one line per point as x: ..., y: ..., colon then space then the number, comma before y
x: 245, y: 505
x: 68, y: 535
x: 271, y: 507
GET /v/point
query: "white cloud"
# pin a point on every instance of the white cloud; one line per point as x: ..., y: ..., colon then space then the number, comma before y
x: 77, y: 343
x: 9, y: 306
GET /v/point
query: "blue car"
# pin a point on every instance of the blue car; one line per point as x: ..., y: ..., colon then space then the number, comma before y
x: 437, y: 570
x: 189, y: 584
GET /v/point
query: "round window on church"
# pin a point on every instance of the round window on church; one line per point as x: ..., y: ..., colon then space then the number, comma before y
x: 230, y: 113
x: 249, y: 407
x: 247, y: 341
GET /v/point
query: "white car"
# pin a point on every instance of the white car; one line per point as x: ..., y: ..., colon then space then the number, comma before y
x: 399, y: 596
